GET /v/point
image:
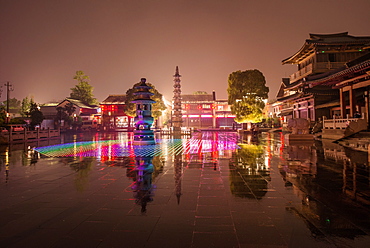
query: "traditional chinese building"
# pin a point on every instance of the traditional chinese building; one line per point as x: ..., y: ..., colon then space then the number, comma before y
x: 320, y: 56
x: 204, y: 111
x: 224, y: 119
x: 198, y: 111
x: 88, y: 113
x: 113, y: 113
x: 353, y: 83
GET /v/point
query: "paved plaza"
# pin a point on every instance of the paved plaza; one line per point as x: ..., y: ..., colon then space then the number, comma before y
x: 215, y: 198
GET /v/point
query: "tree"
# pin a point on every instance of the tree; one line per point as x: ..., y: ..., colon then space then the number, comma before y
x: 157, y: 107
x: 36, y: 115
x: 83, y: 90
x: 13, y: 103
x: 69, y: 108
x: 2, y: 114
x: 247, y: 92
x: 61, y: 115
x: 25, y: 106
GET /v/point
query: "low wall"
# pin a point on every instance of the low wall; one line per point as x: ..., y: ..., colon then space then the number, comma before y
x: 25, y: 135
x: 333, y: 134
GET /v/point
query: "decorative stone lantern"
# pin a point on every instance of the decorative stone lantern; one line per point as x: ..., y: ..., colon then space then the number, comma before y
x: 143, y: 135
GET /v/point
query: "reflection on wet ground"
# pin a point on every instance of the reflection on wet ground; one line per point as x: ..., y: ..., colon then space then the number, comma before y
x: 100, y: 191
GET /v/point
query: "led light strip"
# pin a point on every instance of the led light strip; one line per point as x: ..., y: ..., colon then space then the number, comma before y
x: 115, y: 148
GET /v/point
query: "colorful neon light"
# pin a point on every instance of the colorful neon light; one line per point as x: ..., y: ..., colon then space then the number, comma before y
x: 118, y: 148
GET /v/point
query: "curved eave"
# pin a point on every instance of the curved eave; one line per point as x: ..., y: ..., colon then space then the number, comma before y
x: 306, y: 50
x: 143, y: 101
x: 290, y: 97
x: 315, y: 40
x: 294, y: 85
x: 147, y: 93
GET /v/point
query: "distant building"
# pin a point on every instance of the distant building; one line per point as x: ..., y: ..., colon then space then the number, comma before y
x: 224, y: 117
x: 88, y: 113
x: 198, y: 111
x: 49, y: 110
x: 113, y: 113
x: 204, y: 111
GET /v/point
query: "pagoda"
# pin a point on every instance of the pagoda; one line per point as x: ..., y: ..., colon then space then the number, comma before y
x: 177, y: 111
x: 143, y: 135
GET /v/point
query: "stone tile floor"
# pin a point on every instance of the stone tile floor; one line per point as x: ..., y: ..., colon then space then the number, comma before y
x: 53, y: 204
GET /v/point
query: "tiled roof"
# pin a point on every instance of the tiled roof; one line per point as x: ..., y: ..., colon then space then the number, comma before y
x: 78, y: 103
x: 114, y: 99
x: 290, y: 97
x: 311, y: 44
x: 197, y: 98
x: 322, y: 91
x: 338, y: 76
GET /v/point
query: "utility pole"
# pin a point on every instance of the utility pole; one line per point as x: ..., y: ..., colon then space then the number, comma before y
x: 9, y: 87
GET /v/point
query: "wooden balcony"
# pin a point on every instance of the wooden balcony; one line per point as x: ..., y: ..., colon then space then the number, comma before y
x: 301, y: 73
x: 319, y: 67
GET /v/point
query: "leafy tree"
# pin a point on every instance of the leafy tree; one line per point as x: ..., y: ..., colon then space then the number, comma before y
x: 246, y: 94
x: 13, y: 103
x: 25, y: 106
x: 17, y: 121
x: 36, y: 115
x: 2, y: 114
x: 61, y: 115
x: 83, y: 90
x: 69, y: 108
x: 157, y: 107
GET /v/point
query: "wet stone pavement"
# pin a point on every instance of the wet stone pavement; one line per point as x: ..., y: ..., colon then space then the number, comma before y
x: 265, y: 193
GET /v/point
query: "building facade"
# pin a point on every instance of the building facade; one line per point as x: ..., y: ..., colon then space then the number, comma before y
x: 204, y: 111
x: 113, y: 113
x: 88, y: 113
x: 320, y: 56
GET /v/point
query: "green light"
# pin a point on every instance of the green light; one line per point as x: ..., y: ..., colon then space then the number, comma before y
x: 322, y: 51
x: 360, y: 50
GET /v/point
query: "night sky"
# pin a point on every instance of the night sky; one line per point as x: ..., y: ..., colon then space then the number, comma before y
x: 117, y: 42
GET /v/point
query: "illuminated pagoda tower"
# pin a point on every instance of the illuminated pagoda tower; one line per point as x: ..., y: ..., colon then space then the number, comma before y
x: 143, y: 135
x: 177, y: 111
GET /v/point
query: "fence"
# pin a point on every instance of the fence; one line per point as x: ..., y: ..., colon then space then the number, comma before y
x: 338, y: 123
x: 24, y: 135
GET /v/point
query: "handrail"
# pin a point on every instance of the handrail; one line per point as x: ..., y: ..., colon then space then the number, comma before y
x: 338, y: 123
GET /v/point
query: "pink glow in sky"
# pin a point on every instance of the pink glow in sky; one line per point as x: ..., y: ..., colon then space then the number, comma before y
x: 117, y: 42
